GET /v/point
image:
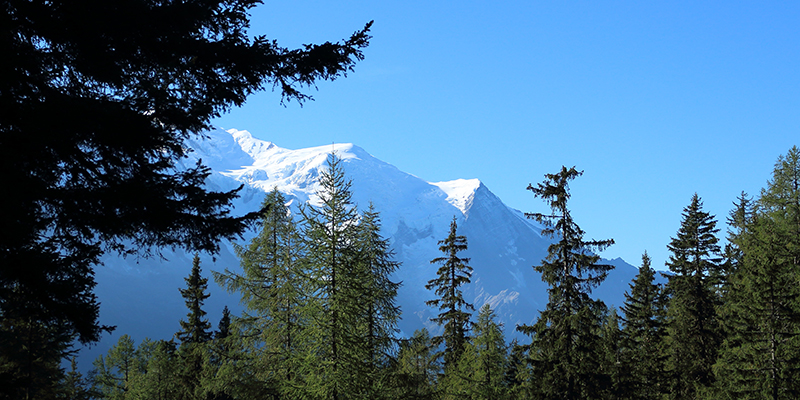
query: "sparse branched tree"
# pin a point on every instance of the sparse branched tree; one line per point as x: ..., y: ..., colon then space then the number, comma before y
x: 113, y: 375
x: 566, y: 350
x: 482, y: 366
x: 455, y: 313
x: 417, y: 368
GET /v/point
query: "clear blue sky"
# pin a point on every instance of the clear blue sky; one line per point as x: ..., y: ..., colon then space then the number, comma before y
x: 654, y: 100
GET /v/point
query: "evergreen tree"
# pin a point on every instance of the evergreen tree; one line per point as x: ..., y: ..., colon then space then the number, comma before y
x: 417, y: 368
x: 454, y: 316
x: 113, y: 375
x: 761, y: 352
x: 481, y: 368
x: 99, y: 98
x: 566, y: 351
x: 75, y: 386
x: 224, y: 326
x: 273, y: 290
x: 196, y: 329
x: 195, y: 332
x: 381, y: 314
x: 161, y: 379
x: 643, y: 355
x: 30, y: 350
x: 517, y: 377
x: 335, y: 357
x: 694, y: 333
x: 612, y: 363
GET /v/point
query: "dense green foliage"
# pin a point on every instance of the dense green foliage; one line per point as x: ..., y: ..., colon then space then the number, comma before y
x: 643, y: 358
x: 760, y: 357
x: 693, y: 328
x: 98, y: 98
x: 320, y: 316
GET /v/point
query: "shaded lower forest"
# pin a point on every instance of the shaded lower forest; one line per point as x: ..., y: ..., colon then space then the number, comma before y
x: 320, y: 317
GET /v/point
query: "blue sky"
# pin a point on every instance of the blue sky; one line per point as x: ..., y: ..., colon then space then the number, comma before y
x: 653, y: 100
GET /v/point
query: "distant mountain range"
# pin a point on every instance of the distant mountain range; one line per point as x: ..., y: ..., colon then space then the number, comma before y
x: 140, y: 296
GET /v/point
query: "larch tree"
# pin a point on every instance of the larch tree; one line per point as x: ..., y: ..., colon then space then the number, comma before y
x: 480, y: 374
x: 454, y: 315
x: 375, y: 260
x: 693, y: 327
x: 335, y: 356
x: 566, y: 351
x: 273, y: 290
x: 417, y: 368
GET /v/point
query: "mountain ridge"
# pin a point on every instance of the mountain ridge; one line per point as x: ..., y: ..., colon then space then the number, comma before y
x: 503, y: 245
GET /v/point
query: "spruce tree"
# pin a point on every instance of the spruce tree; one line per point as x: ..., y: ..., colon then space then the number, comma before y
x: 643, y: 354
x: 196, y: 328
x: 98, y: 99
x: 611, y: 364
x: 694, y: 333
x: 195, y: 332
x: 565, y: 352
x: 760, y: 355
x: 451, y: 275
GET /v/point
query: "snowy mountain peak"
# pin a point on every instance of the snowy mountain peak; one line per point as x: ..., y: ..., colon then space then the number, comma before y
x: 256, y: 148
x: 459, y: 192
x: 415, y: 216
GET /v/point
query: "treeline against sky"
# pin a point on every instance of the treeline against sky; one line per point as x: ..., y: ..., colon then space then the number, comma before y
x: 320, y: 319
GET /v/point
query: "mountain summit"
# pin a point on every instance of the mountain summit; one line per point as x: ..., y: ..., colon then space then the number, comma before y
x: 141, y: 295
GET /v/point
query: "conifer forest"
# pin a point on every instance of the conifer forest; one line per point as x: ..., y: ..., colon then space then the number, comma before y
x: 97, y: 176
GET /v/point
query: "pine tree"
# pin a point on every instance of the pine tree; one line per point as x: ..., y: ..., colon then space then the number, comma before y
x: 643, y: 334
x: 565, y: 351
x: 454, y: 316
x: 760, y: 354
x: 693, y: 328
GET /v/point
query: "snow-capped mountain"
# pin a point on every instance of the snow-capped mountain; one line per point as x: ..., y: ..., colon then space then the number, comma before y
x: 141, y: 296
